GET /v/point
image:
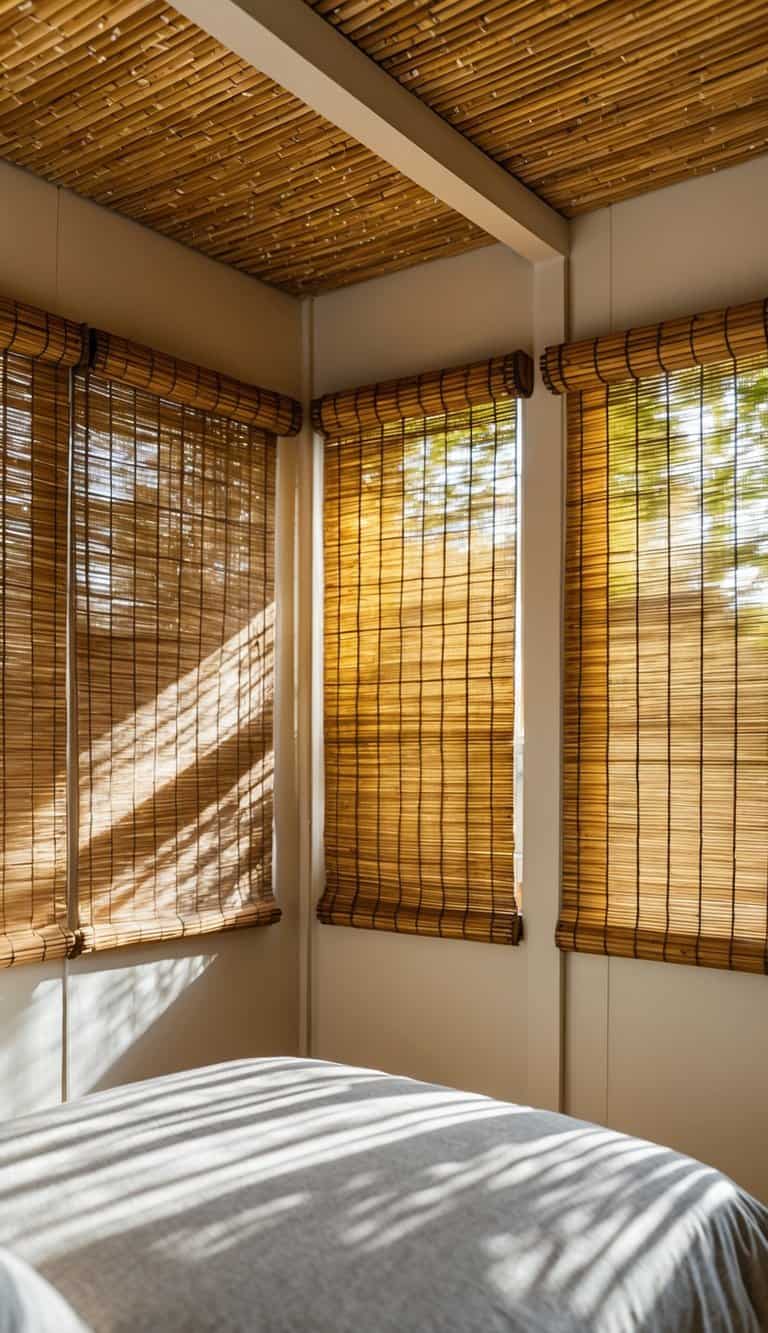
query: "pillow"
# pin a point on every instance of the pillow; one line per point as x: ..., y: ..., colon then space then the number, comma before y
x: 29, y: 1304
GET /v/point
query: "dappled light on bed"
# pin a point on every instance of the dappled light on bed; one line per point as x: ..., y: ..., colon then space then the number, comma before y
x: 257, y: 1168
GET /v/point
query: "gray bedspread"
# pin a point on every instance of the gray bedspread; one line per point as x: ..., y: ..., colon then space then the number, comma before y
x: 277, y: 1195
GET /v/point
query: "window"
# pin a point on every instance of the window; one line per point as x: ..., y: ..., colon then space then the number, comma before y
x: 666, y: 692
x: 167, y: 508
x: 420, y: 557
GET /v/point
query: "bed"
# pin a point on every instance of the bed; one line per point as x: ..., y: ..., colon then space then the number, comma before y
x: 283, y: 1195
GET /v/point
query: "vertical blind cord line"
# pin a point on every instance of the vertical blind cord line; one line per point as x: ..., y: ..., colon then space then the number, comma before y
x: 33, y: 635
x: 702, y: 609
x: 112, y: 765
x: 491, y: 673
x: 668, y: 886
x: 71, y: 686
x: 607, y: 664
x: 339, y: 602
x: 359, y: 575
x: 580, y: 676
x: 3, y: 670
x: 179, y: 617
x: 401, y: 640
x: 468, y: 686
x: 443, y: 898
x: 637, y: 667
x: 420, y: 798
x: 200, y: 594
x: 88, y: 626
x: 735, y: 806
x: 134, y: 600
x: 378, y: 672
x: 155, y: 746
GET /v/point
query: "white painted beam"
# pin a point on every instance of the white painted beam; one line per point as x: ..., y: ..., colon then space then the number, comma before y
x: 293, y: 45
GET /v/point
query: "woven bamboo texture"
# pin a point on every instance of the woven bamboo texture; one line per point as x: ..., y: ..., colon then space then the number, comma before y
x: 34, y: 333
x: 735, y: 333
x: 180, y: 382
x: 420, y: 521
x: 433, y: 393
x: 174, y: 527
x: 586, y: 103
x: 33, y: 518
x: 666, y: 693
x: 133, y: 106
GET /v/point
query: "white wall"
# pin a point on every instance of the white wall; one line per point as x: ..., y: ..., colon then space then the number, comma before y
x: 675, y: 1054
x: 447, y: 1010
x: 135, y: 1012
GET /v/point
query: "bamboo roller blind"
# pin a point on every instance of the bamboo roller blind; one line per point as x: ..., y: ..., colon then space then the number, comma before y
x: 666, y: 692
x: 420, y: 570
x: 172, y: 509
x: 175, y: 641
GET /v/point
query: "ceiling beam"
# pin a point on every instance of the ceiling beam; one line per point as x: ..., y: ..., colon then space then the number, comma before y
x: 293, y: 45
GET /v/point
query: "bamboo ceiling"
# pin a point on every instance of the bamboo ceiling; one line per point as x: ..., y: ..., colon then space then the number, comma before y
x: 135, y: 107
x: 588, y: 102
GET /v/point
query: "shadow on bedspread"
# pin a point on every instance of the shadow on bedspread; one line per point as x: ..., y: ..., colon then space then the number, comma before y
x: 285, y: 1195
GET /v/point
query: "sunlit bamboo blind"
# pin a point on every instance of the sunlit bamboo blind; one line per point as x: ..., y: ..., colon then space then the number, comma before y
x: 420, y: 561
x: 666, y: 697
x: 164, y: 475
x: 33, y: 518
x: 175, y: 641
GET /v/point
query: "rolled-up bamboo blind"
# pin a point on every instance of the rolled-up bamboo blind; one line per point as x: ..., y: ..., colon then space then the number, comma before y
x: 33, y: 518
x: 736, y: 333
x: 189, y: 385
x: 174, y: 523
x: 34, y: 333
x: 420, y: 569
x: 666, y: 692
x: 434, y: 393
